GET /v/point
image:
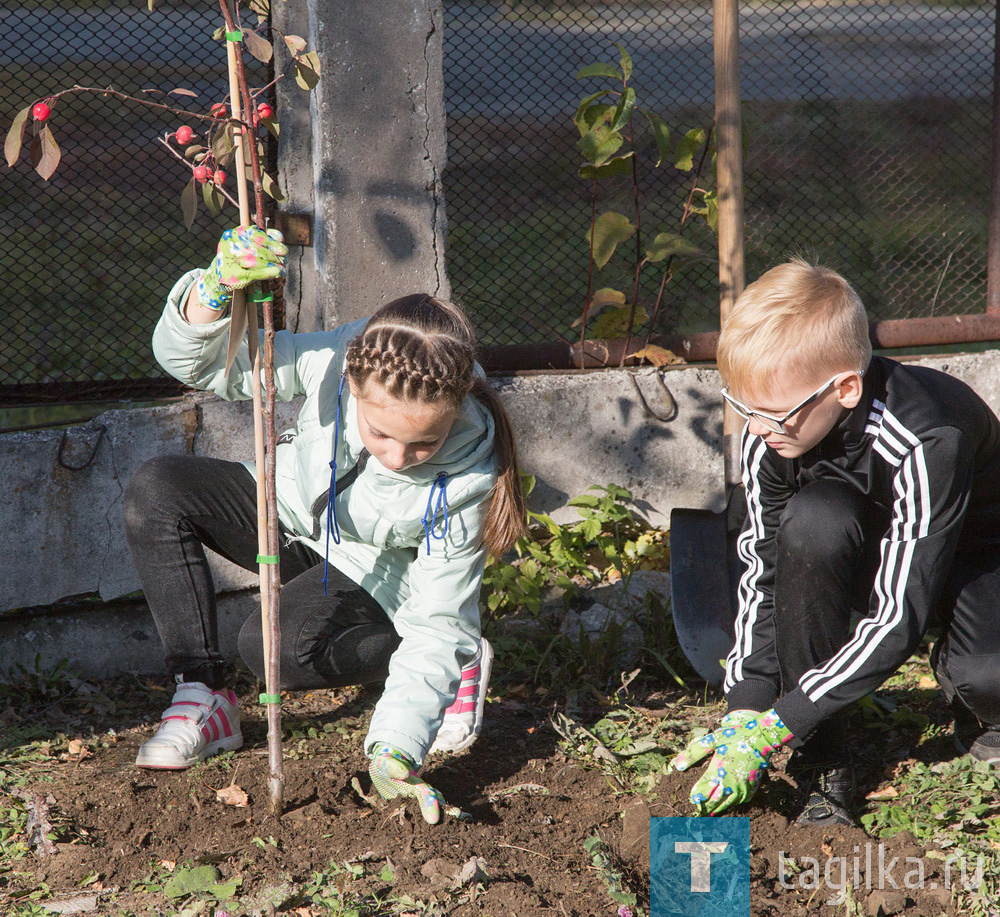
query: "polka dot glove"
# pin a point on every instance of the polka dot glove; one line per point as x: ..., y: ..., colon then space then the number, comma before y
x: 394, y: 774
x: 245, y: 255
x: 742, y: 745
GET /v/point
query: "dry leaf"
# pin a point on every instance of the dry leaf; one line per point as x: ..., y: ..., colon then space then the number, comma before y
x: 827, y: 849
x: 658, y: 356
x: 890, y: 792
x: 927, y: 682
x: 79, y: 749
x: 232, y: 795
x: 168, y: 865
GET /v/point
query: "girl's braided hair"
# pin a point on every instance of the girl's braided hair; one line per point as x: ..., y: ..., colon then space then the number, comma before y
x: 421, y: 348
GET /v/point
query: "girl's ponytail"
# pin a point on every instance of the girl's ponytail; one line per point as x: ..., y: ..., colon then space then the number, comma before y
x: 505, y: 519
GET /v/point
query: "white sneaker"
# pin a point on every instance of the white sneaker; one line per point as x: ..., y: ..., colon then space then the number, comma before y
x: 463, y: 720
x: 198, y: 723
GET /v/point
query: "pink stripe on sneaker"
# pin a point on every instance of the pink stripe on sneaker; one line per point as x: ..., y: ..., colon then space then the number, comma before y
x: 227, y: 730
x: 466, y: 691
x: 470, y: 674
x: 178, y: 717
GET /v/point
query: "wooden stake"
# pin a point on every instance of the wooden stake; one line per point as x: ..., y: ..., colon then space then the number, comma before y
x: 729, y: 167
x: 267, y: 517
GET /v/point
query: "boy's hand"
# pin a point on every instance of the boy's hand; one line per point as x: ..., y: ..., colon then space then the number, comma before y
x: 245, y: 255
x: 742, y: 745
x: 394, y: 774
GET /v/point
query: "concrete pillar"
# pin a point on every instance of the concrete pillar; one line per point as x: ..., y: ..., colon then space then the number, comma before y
x: 363, y: 154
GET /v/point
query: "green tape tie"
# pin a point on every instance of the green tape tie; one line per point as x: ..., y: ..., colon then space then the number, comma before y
x: 269, y: 698
x: 267, y: 558
x: 259, y: 296
x: 234, y: 36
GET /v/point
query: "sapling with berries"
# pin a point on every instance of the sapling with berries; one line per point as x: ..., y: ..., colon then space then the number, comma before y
x: 228, y: 137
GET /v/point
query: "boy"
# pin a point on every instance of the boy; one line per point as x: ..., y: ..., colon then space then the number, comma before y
x: 871, y: 486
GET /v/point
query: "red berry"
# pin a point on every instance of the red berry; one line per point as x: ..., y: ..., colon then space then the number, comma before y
x: 218, y: 110
x: 220, y: 177
x: 202, y: 173
x: 265, y: 110
x: 184, y: 134
x: 40, y: 111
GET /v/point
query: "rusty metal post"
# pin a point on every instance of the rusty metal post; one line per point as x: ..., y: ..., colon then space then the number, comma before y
x: 993, y: 255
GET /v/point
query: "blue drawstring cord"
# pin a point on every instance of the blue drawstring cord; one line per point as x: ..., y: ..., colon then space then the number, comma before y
x: 439, y: 484
x: 332, y: 526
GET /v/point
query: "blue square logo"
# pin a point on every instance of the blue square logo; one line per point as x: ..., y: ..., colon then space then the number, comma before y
x: 699, y: 867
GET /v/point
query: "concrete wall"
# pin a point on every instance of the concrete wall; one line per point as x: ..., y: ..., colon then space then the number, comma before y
x: 574, y: 430
x: 363, y: 157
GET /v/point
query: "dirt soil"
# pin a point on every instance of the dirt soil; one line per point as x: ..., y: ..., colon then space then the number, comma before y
x: 120, y: 830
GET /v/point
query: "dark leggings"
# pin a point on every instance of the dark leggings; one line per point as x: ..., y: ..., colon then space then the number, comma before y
x: 175, y: 507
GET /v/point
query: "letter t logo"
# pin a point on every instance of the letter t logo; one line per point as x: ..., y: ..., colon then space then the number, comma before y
x: 701, y: 856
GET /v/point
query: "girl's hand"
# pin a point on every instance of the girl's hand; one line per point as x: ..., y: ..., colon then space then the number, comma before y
x: 244, y: 256
x: 394, y: 774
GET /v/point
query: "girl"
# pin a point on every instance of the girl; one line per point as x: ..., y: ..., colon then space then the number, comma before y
x: 400, y: 477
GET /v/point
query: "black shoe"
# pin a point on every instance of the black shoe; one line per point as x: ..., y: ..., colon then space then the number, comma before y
x: 975, y: 738
x: 829, y: 796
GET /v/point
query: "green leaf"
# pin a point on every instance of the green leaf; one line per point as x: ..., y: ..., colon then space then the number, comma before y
x: 619, y: 165
x: 711, y: 210
x: 599, y: 145
x: 579, y: 119
x: 50, y: 153
x: 614, y: 323
x: 661, y: 134
x: 666, y: 244
x: 222, y: 145
x: 213, y: 198
x: 600, y: 69
x: 623, y: 113
x: 307, y: 70
x: 259, y: 47
x: 590, y: 529
x: 582, y: 500
x: 684, y: 158
x: 625, y: 60
x: 15, y: 136
x: 189, y: 203
x: 271, y: 187
x: 191, y: 881
x: 528, y: 482
x: 609, y: 230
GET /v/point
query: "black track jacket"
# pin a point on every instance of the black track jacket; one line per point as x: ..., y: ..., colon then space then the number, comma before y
x: 920, y: 444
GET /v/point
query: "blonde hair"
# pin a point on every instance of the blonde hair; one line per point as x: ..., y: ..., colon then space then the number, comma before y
x: 421, y: 348
x: 797, y: 320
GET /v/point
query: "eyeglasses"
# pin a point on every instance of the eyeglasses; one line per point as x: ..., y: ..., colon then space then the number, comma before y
x: 777, y: 424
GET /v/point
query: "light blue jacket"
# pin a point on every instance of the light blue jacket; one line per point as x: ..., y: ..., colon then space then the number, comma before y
x: 429, y: 587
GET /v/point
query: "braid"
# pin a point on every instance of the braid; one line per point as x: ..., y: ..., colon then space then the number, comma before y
x: 418, y: 348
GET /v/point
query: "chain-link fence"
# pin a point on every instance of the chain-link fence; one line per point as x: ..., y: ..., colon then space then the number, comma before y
x: 867, y: 130
x: 87, y: 257
x: 867, y: 145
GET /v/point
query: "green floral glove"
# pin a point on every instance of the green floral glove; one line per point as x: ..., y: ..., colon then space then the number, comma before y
x: 394, y: 774
x: 245, y: 255
x: 742, y: 745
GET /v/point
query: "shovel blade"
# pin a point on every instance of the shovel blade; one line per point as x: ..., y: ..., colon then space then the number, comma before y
x: 703, y: 588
